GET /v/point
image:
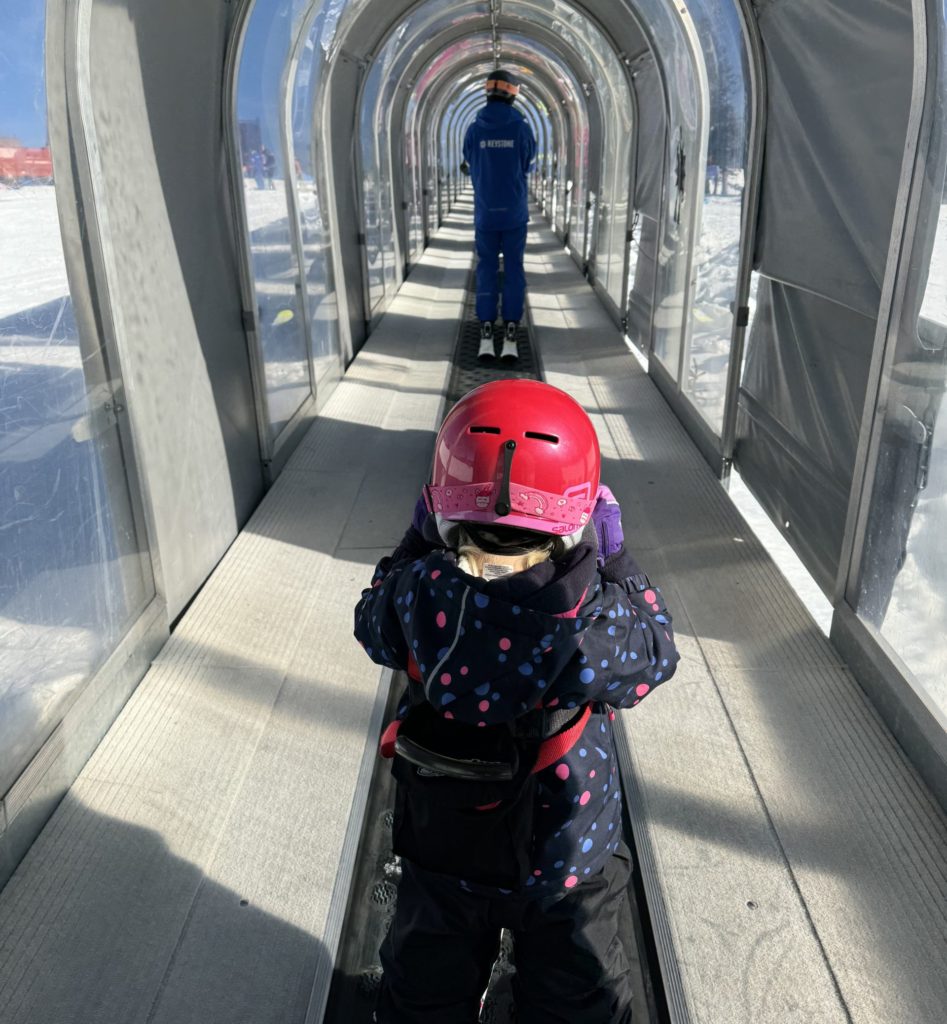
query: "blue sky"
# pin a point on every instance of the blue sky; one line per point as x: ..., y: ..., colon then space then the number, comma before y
x: 22, y: 79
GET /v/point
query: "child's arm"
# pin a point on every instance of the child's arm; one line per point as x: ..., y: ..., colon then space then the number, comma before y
x: 376, y: 624
x: 630, y: 649
x: 627, y: 651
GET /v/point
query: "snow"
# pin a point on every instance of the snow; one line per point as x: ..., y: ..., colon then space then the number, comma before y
x: 934, y: 306
x: 264, y: 206
x: 32, y: 265
x: 718, y: 259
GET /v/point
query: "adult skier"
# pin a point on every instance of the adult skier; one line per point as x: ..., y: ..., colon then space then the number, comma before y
x: 498, y: 151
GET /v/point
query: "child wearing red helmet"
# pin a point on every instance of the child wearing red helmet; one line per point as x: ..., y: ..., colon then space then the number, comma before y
x: 522, y: 622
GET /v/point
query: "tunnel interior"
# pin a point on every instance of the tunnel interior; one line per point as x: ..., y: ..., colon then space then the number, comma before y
x: 210, y: 213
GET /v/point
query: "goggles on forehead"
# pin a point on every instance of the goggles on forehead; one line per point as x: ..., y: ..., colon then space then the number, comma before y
x: 500, y: 86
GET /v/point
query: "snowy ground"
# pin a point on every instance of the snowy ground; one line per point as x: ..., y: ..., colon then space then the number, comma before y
x: 264, y: 206
x: 718, y: 257
x: 934, y: 306
x: 916, y: 621
x: 32, y: 267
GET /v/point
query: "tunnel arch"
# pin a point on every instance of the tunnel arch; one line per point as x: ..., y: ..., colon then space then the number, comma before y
x: 192, y: 316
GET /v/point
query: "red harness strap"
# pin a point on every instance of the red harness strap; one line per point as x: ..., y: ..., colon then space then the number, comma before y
x: 559, y: 745
x: 549, y: 750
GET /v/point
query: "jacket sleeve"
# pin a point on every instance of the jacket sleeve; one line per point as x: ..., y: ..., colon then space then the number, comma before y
x: 377, y: 627
x: 628, y: 650
x: 468, y: 145
x: 376, y: 622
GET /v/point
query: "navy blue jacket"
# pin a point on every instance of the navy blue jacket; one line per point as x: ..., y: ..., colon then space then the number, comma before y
x: 499, y: 147
x: 557, y: 635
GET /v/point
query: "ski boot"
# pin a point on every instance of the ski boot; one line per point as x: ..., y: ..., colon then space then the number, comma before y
x: 487, y: 352
x: 510, y: 352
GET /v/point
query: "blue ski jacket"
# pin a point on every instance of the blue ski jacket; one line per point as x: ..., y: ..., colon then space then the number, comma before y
x: 499, y: 148
x: 558, y: 635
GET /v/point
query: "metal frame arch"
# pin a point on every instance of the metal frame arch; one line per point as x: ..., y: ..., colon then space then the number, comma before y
x: 557, y: 51
x: 564, y: 62
x: 553, y: 99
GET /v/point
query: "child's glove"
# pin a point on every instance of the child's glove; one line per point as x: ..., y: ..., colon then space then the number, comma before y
x: 616, y: 565
x: 606, y: 518
x: 425, y: 524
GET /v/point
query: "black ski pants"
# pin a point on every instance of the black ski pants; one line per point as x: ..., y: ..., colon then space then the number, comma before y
x: 570, y: 961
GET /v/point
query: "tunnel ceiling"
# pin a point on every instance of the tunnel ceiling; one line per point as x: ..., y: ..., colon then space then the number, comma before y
x: 568, y: 28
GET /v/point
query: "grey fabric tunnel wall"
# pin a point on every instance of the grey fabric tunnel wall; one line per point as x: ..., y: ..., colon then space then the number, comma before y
x: 830, y: 178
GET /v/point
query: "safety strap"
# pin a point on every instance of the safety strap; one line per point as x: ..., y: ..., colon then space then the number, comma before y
x: 559, y: 745
x: 550, y: 750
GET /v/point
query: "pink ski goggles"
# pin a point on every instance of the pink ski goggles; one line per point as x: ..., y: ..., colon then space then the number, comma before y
x: 530, y: 509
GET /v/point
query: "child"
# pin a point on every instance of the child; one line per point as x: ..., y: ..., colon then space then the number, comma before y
x: 521, y: 621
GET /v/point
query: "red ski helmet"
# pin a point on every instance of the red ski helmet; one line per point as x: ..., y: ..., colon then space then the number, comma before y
x: 516, y: 453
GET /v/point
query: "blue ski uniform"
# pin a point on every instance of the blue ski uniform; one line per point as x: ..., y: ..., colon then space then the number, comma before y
x: 499, y: 149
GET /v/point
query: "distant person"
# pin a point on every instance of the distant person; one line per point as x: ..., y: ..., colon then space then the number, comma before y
x: 713, y: 177
x: 269, y: 166
x: 498, y: 151
x: 256, y: 167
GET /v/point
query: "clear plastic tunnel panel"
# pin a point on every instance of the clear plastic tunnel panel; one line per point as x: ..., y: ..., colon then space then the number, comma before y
x: 317, y: 272
x: 682, y: 147
x: 284, y: 355
x: 722, y: 176
x: 75, y: 572
x: 901, y: 592
x: 372, y: 199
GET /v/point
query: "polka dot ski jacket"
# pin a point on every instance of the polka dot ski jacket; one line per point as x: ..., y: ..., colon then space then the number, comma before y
x: 558, y: 635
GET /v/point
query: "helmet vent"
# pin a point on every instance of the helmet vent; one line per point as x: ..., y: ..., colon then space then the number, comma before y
x: 551, y: 438
x: 484, y: 430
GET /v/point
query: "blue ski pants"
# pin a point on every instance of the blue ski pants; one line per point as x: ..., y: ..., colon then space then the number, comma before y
x: 490, y: 244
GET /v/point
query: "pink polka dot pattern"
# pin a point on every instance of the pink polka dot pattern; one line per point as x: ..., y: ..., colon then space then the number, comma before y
x: 585, y: 798
x: 445, y: 678
x: 441, y: 619
x: 562, y: 771
x: 435, y: 574
x: 641, y: 689
x: 571, y: 882
x: 448, y: 714
x: 650, y: 596
x: 505, y: 643
x: 592, y: 774
x: 484, y: 705
x: 464, y: 670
